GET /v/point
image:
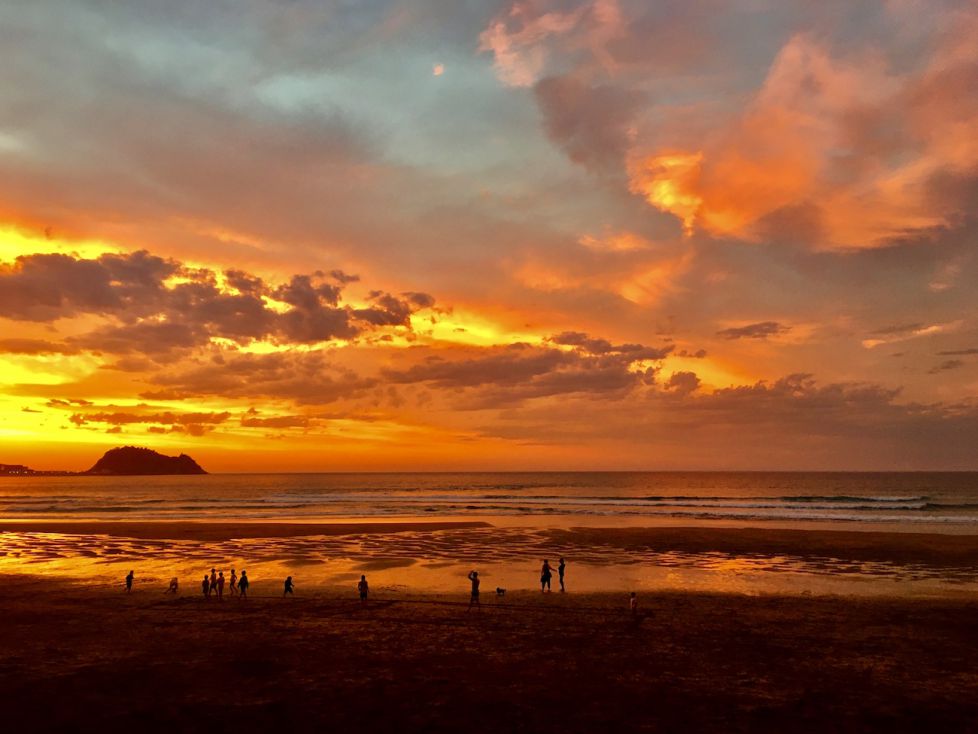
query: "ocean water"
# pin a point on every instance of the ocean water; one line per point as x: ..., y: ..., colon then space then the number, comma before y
x: 526, y: 518
x: 920, y: 501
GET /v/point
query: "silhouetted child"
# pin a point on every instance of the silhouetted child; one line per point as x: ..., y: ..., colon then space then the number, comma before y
x: 220, y: 586
x: 560, y: 572
x: 172, y: 588
x: 474, y: 599
x: 289, y: 587
x: 233, y: 585
x: 213, y: 580
x: 546, y: 573
x: 243, y: 584
x: 205, y: 586
x: 633, y: 606
x: 363, y: 588
x: 129, y: 578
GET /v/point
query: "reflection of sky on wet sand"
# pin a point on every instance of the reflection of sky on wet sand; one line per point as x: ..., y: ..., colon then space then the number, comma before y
x: 438, y: 561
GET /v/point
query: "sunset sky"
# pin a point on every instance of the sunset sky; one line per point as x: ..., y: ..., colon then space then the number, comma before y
x: 308, y: 235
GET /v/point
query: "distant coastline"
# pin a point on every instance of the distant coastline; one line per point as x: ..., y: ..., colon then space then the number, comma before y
x: 121, y: 461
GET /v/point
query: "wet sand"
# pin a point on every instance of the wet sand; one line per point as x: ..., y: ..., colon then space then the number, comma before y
x: 934, y: 548
x: 901, y: 547
x: 80, y: 657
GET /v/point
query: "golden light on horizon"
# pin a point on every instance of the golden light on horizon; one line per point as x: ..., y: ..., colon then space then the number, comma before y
x: 16, y: 241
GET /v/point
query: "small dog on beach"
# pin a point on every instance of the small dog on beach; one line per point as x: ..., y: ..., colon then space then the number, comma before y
x: 500, y: 591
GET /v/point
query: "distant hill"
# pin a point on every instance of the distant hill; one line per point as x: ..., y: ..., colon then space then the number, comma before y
x: 135, y: 461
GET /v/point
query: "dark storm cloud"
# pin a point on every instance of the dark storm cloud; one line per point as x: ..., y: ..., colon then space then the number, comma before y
x: 760, y: 330
x: 589, y: 122
x: 518, y: 372
x: 898, y: 329
x: 167, y: 417
x: 303, y: 377
x: 602, y: 346
x: 508, y: 365
x: 146, y: 337
x: 152, y: 315
x: 35, y: 346
x: 193, y: 424
x: 387, y: 310
x: 46, y: 287
x: 278, y: 421
x: 683, y: 382
x: 946, y: 365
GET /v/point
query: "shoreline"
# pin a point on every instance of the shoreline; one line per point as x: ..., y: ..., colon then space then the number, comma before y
x: 902, y: 547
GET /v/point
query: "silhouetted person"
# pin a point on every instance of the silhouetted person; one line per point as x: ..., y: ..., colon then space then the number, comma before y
x: 129, y: 578
x: 205, y: 586
x: 474, y: 599
x: 633, y: 606
x: 546, y: 573
x: 220, y: 586
x: 213, y: 580
x: 560, y: 572
x: 243, y: 584
x: 363, y: 588
x: 289, y: 587
x: 233, y: 586
x: 174, y: 585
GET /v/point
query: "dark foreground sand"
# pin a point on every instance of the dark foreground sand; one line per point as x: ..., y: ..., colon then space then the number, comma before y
x: 78, y: 657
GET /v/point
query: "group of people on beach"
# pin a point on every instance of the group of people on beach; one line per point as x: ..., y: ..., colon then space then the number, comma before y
x: 213, y: 585
x: 546, y: 574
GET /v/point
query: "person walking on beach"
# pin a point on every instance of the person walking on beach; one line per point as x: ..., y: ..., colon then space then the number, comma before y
x: 205, y: 586
x: 233, y: 586
x: 633, y: 606
x: 546, y: 573
x: 172, y: 588
x: 289, y: 587
x: 213, y: 581
x: 129, y: 578
x: 220, y: 586
x: 560, y: 573
x: 243, y: 584
x: 474, y: 599
x: 363, y: 588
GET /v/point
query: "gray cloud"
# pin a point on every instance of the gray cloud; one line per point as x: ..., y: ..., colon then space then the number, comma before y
x: 760, y: 330
x: 35, y: 346
x: 683, y: 383
x: 307, y: 378
x: 153, y: 316
x: 589, y: 122
x: 948, y: 364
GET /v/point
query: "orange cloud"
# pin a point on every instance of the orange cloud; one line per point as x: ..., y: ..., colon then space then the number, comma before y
x: 840, y: 151
x: 520, y: 38
x: 669, y: 181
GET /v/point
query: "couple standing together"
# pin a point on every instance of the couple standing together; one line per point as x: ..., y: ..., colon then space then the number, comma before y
x: 546, y: 573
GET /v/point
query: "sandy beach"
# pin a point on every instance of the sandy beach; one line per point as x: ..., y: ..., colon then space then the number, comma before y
x: 525, y: 662
x: 739, y: 629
